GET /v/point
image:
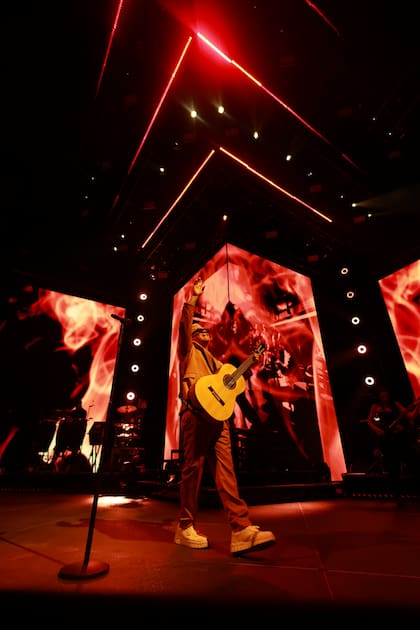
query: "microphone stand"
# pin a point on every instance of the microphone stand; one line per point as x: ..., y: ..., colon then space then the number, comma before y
x: 88, y: 569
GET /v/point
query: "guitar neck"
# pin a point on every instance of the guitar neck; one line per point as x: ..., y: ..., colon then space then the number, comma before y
x: 242, y: 368
x: 246, y: 364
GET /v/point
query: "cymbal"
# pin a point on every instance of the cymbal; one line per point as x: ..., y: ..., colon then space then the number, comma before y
x: 127, y: 409
x: 128, y: 434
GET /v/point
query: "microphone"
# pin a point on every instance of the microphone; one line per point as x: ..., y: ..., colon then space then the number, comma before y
x: 122, y: 320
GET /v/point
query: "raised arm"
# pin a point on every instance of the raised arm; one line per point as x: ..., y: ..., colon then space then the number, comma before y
x: 187, y: 315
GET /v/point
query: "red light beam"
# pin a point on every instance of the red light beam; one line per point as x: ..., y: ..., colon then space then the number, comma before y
x: 182, y: 193
x: 156, y: 112
x: 276, y: 98
x: 313, y: 6
x: 276, y: 186
x: 113, y: 31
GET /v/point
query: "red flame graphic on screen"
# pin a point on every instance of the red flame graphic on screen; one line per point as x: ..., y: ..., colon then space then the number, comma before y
x: 86, y: 323
x: 238, y: 287
x: 401, y: 293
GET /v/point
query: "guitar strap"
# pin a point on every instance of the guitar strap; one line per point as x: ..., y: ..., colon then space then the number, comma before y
x: 213, y: 369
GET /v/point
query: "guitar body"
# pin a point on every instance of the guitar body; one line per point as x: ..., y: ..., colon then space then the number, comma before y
x: 216, y: 393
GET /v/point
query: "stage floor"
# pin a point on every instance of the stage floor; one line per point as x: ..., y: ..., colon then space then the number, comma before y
x: 69, y: 560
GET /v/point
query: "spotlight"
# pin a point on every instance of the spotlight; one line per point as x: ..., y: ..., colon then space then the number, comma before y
x: 355, y: 320
x: 140, y: 317
x: 350, y: 295
x: 361, y: 349
x: 135, y: 368
x: 137, y: 342
x: 369, y: 380
x: 344, y: 271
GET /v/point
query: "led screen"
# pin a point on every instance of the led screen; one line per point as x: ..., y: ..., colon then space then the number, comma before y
x: 401, y: 293
x: 249, y: 300
x: 57, y: 348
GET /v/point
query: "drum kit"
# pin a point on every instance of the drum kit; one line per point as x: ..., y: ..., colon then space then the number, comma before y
x: 128, y: 426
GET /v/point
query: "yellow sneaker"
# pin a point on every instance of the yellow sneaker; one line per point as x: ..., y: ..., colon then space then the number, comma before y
x: 250, y: 539
x: 188, y: 537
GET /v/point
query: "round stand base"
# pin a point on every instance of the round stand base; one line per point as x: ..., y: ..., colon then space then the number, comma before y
x: 82, y: 571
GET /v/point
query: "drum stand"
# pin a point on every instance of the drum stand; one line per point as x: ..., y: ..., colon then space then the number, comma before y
x: 93, y: 456
x: 96, y: 436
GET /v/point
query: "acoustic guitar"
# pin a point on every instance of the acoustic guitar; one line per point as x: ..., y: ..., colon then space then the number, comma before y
x: 216, y: 393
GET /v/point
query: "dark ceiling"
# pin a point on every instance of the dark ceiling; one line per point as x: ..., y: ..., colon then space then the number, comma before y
x: 92, y: 112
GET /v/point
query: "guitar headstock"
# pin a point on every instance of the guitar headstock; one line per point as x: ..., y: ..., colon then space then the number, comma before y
x: 259, y: 351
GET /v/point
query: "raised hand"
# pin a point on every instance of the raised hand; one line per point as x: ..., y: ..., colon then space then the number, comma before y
x: 198, y: 287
